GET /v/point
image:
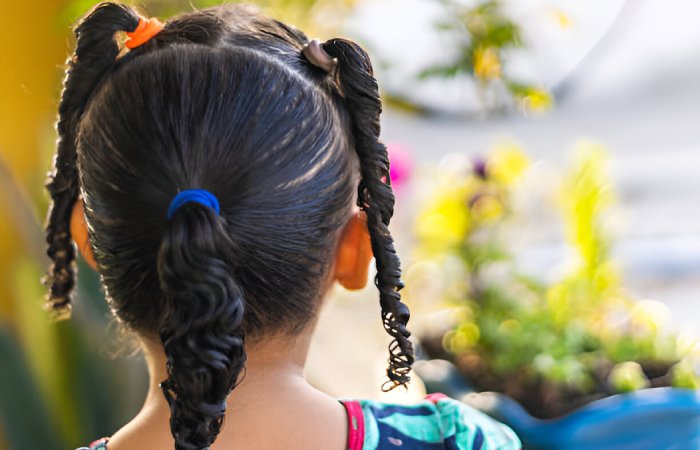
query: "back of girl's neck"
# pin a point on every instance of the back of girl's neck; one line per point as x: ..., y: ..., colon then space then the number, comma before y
x: 272, y: 385
x: 275, y: 361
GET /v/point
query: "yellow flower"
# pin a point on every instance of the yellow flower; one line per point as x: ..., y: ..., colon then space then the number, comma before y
x: 561, y: 18
x: 507, y: 163
x: 445, y: 222
x: 585, y: 197
x: 487, y: 64
x: 536, y: 100
x: 487, y: 208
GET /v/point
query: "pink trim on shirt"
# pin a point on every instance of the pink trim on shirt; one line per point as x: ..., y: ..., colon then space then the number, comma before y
x: 104, y: 440
x: 356, y: 424
x: 435, y: 397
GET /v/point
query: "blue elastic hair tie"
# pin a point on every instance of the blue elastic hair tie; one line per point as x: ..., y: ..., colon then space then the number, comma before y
x: 201, y: 196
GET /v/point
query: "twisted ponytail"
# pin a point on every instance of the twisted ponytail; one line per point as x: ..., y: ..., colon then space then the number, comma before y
x: 201, y: 331
x: 96, y: 51
x: 358, y: 87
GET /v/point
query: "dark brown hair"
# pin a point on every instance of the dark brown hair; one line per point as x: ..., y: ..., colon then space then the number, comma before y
x: 221, y: 99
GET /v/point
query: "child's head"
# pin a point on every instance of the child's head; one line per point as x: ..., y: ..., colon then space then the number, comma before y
x: 222, y: 100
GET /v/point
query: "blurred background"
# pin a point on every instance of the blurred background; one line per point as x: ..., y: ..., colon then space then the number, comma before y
x: 537, y: 80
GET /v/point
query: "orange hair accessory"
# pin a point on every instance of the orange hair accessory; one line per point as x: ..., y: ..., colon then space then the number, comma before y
x: 146, y: 29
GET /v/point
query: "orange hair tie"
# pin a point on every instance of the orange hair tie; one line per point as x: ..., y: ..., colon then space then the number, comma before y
x: 146, y: 29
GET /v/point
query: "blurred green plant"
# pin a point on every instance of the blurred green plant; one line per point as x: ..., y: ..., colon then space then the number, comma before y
x: 485, y: 34
x: 551, y: 346
x: 58, y: 388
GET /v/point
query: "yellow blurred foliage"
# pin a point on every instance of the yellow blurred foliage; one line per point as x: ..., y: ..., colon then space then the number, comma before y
x: 445, y: 222
x: 32, y: 52
x: 586, y: 194
x: 462, y: 201
x: 507, y: 163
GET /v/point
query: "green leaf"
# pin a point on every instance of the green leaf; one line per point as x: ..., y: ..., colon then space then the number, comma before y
x: 440, y: 71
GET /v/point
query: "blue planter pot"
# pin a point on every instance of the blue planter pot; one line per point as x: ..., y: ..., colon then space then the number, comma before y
x: 649, y: 419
